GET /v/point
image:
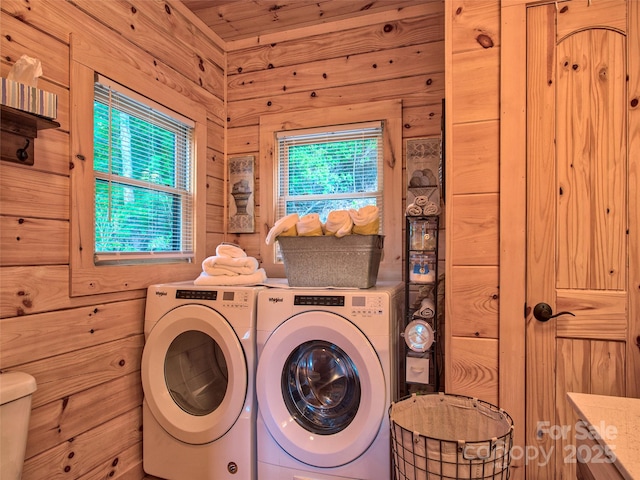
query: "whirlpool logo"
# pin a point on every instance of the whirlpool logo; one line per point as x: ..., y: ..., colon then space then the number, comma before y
x: 276, y: 299
x: 161, y: 293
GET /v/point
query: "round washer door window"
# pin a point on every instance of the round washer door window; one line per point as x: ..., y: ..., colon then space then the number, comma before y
x: 194, y: 374
x: 321, y: 389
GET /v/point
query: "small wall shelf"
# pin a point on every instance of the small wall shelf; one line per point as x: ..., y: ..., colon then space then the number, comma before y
x: 19, y: 129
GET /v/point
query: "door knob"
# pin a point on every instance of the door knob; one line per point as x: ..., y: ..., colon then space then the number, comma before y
x: 543, y: 313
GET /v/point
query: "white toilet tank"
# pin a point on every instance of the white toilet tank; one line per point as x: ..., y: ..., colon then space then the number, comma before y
x: 15, y: 409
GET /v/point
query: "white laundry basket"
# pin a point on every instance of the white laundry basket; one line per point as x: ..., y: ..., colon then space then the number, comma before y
x: 442, y: 436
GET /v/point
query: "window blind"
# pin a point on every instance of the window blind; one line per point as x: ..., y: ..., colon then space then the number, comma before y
x: 143, y: 166
x: 330, y: 168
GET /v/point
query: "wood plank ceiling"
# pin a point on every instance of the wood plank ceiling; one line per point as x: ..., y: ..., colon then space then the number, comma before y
x: 240, y: 19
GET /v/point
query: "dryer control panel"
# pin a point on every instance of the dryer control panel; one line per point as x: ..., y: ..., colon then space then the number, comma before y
x: 211, y: 295
x: 228, y: 298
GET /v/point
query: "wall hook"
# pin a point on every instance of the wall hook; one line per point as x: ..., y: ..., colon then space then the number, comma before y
x: 22, y: 154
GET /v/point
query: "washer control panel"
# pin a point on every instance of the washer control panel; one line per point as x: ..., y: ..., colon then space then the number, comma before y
x: 359, y: 305
x: 367, y: 305
x: 319, y: 300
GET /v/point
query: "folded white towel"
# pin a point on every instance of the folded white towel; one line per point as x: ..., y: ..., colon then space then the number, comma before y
x: 366, y: 221
x: 365, y: 215
x: 421, y: 200
x: 216, y: 265
x: 309, y: 225
x: 430, y: 208
x: 230, y: 250
x: 284, y: 225
x: 256, y: 278
x: 413, y: 210
x: 339, y: 223
x: 427, y: 309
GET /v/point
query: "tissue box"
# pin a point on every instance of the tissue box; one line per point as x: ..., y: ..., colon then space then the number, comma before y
x: 326, y: 261
x: 29, y: 99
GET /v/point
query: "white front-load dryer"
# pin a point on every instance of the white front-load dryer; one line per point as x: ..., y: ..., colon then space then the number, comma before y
x: 198, y: 376
x: 326, y: 376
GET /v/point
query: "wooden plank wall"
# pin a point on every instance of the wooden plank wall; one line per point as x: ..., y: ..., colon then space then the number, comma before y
x: 395, y: 55
x: 473, y: 144
x: 85, y: 352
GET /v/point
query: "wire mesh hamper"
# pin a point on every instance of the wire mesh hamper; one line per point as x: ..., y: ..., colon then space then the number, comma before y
x: 443, y: 436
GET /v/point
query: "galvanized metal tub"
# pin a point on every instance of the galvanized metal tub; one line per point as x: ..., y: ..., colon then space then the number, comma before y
x: 328, y: 261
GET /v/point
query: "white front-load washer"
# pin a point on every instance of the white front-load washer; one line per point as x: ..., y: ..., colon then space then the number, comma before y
x: 198, y: 377
x: 326, y: 376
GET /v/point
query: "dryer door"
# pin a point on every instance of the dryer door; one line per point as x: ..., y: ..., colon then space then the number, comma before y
x: 321, y: 389
x: 194, y: 374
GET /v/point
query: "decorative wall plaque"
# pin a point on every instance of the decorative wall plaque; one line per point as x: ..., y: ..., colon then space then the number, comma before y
x: 242, y: 195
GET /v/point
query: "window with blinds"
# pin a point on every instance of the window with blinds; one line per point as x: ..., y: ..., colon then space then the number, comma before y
x: 333, y: 168
x: 143, y: 165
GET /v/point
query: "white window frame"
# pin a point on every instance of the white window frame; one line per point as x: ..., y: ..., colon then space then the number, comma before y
x: 390, y: 113
x: 134, y: 104
x: 289, y: 138
x: 86, y: 277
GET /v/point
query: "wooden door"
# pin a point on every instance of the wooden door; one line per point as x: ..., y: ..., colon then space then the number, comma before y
x: 577, y: 220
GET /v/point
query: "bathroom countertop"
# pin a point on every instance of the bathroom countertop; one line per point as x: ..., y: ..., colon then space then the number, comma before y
x: 617, y: 423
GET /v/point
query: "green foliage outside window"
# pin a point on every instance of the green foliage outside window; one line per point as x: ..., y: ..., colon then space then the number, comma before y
x: 330, y: 176
x: 122, y: 226
x: 137, y: 209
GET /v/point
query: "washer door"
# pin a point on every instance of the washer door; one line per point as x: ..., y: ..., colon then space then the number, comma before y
x: 321, y: 389
x: 194, y: 374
